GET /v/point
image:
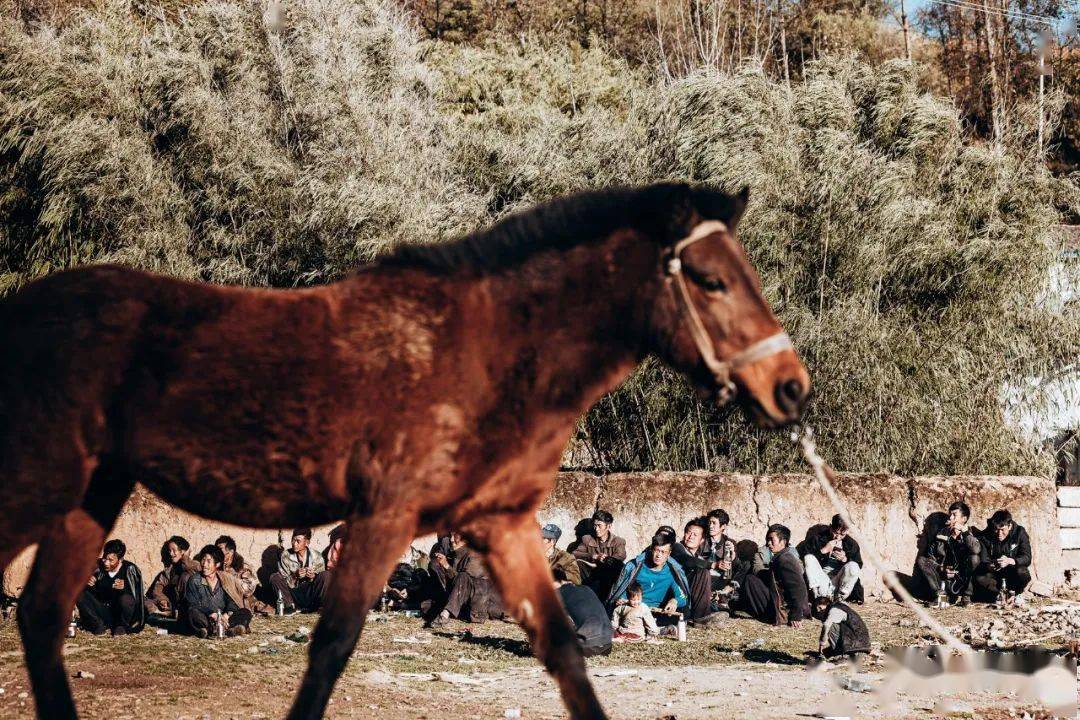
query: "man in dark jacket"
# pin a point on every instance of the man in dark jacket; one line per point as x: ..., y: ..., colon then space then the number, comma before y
x: 776, y: 592
x: 113, y: 598
x: 696, y: 560
x: 472, y: 593
x: 1005, y: 557
x: 833, y: 561
x: 211, y: 597
x: 843, y: 632
x: 601, y: 555
x: 950, y: 558
x: 587, y: 615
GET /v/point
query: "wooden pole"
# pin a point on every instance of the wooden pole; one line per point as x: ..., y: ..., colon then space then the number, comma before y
x: 992, y: 56
x: 903, y: 23
x: 1042, y: 83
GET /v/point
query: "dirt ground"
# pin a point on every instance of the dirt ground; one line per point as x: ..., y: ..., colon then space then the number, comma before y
x: 738, y: 668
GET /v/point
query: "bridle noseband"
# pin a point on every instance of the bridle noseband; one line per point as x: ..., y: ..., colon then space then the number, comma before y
x: 721, y: 369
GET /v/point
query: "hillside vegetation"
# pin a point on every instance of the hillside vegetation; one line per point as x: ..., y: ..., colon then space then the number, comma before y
x: 234, y: 143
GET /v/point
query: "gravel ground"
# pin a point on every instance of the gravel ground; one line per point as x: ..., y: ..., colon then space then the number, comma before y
x: 737, y: 668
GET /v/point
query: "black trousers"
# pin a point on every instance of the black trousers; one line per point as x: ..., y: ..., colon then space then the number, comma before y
x: 928, y: 577
x: 99, y: 616
x: 477, y: 595
x: 756, y: 597
x: 988, y: 581
x: 700, y: 593
x: 198, y: 620
x: 602, y: 578
x: 307, y: 595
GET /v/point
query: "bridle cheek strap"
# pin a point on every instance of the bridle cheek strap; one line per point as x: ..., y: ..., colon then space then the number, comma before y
x: 721, y: 369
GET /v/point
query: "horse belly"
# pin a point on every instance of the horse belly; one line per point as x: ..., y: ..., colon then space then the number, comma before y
x: 272, y: 489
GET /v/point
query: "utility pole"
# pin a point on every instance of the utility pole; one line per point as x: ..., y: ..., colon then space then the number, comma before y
x: 903, y: 23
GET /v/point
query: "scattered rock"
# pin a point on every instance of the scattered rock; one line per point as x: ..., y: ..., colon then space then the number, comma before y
x: 85, y: 675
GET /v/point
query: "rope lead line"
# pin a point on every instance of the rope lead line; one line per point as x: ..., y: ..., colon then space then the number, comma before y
x: 823, y: 472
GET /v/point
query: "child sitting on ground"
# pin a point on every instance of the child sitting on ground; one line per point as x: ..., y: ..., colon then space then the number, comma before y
x: 843, y: 632
x: 633, y: 620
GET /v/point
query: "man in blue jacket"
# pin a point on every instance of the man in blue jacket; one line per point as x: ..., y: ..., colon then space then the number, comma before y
x: 662, y: 580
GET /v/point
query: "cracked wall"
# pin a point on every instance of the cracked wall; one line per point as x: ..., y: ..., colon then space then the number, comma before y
x: 890, y: 510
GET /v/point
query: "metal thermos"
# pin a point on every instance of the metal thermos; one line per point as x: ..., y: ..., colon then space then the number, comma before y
x: 682, y: 630
x: 280, y: 603
x: 220, y: 626
x: 73, y: 626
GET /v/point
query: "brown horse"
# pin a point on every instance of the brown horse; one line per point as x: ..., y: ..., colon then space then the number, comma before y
x: 434, y: 389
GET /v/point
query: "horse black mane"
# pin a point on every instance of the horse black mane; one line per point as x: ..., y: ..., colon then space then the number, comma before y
x: 662, y: 211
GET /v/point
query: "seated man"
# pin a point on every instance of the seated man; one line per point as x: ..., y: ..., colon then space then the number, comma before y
x: 245, y: 577
x: 472, y: 593
x: 163, y: 596
x: 949, y: 559
x: 663, y: 582
x: 633, y: 620
x: 720, y: 548
x: 301, y: 579
x: 559, y: 559
x: 1005, y: 560
x: 843, y: 632
x: 212, y: 597
x: 833, y: 562
x: 776, y: 591
x: 693, y: 555
x: 601, y: 555
x: 113, y: 598
x: 587, y: 615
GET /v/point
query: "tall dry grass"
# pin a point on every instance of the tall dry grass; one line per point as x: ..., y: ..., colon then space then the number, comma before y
x: 225, y: 142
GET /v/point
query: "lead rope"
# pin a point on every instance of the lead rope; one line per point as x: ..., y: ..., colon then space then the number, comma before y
x: 824, y: 476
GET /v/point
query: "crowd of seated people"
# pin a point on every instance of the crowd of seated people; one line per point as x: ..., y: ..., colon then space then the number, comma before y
x: 197, y: 595
x: 609, y: 596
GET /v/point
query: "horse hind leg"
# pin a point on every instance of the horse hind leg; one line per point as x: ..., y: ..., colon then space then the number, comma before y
x: 372, y: 545
x: 64, y: 560
x: 512, y: 551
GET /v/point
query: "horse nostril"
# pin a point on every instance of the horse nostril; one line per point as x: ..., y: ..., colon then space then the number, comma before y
x: 789, y: 396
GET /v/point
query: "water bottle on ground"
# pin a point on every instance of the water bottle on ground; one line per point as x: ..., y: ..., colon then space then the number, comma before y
x: 280, y: 603
x: 73, y: 626
x: 942, y: 597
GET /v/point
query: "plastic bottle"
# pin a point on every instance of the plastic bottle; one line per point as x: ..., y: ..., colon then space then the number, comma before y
x: 280, y: 603
x: 681, y: 629
x: 220, y: 626
x: 942, y: 597
x: 73, y: 626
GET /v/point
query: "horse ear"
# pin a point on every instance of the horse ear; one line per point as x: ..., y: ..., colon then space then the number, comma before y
x: 715, y: 205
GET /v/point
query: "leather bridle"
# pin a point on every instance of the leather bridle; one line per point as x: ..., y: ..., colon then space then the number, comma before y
x: 721, y: 369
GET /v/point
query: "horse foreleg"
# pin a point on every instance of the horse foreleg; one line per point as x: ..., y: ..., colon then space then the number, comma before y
x: 63, y: 563
x: 372, y: 546
x: 521, y: 572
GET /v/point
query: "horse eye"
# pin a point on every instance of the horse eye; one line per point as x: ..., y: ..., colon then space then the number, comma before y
x: 713, y: 284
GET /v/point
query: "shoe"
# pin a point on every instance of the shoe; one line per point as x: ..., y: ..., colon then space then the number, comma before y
x: 963, y: 601
x: 202, y: 633
x: 235, y: 631
x: 119, y: 631
x: 290, y: 610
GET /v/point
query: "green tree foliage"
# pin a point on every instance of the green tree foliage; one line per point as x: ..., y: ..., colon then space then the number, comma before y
x: 228, y: 143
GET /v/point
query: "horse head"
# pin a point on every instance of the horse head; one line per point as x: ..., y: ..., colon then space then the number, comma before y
x: 709, y: 319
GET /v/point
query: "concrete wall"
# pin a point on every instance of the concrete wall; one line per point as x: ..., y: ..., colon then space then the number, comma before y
x: 889, y: 509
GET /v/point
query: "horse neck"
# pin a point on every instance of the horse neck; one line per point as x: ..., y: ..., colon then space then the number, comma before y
x: 566, y: 326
